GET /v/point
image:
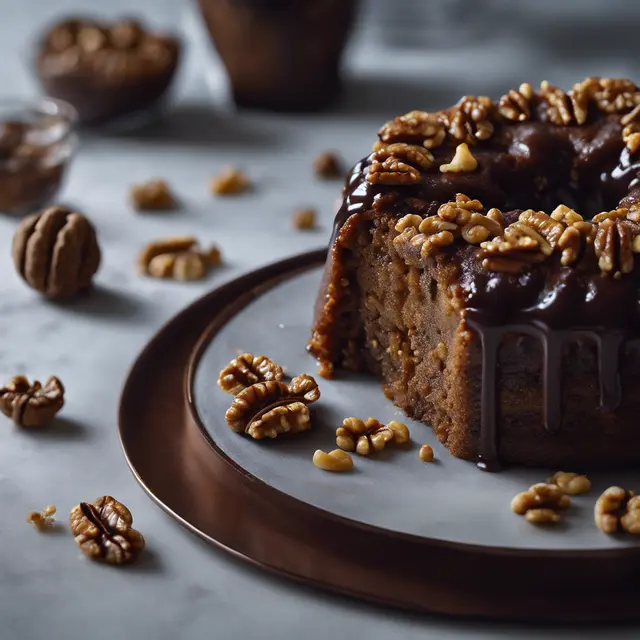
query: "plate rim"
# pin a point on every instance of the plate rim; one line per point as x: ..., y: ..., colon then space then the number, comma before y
x: 261, y: 487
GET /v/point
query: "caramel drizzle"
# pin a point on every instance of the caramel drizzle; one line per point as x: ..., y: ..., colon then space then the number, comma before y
x: 608, y: 346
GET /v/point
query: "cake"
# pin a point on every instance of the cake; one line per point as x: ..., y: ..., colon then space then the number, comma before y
x: 483, y: 265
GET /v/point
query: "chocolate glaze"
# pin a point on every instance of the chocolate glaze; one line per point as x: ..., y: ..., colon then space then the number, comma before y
x: 524, y: 165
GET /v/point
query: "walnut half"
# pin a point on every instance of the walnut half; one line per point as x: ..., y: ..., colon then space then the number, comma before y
x: 541, y: 503
x: 31, y: 405
x: 368, y: 436
x: 272, y: 408
x: 103, y: 531
x: 246, y: 370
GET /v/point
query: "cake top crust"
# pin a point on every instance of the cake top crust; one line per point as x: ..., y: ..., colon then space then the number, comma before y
x: 565, y: 162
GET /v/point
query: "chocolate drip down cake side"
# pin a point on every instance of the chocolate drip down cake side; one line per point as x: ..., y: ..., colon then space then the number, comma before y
x: 483, y: 264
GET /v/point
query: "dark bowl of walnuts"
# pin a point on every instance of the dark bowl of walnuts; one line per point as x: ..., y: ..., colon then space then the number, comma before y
x: 37, y: 144
x: 112, y: 72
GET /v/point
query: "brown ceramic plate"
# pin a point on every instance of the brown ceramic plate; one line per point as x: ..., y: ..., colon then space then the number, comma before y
x: 196, y: 483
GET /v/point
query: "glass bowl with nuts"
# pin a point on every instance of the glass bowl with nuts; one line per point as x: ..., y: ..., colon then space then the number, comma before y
x: 37, y: 144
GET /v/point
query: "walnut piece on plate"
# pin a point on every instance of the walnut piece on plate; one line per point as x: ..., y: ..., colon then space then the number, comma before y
x: 246, y: 370
x: 368, y: 436
x: 272, y: 408
x: 229, y: 181
x: 31, y: 405
x: 42, y: 520
x: 103, y: 531
x: 541, y: 503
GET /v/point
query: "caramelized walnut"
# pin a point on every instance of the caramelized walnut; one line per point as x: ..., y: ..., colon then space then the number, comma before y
x: 469, y: 121
x: 631, y: 129
x: 31, y: 405
x: 246, y: 370
x: 229, y: 181
x: 612, y: 95
x: 256, y: 409
x: 154, y: 195
x: 327, y: 165
x: 42, y: 520
x: 418, y: 127
x: 103, y: 531
x: 614, y: 246
x: 56, y: 252
x: 515, y: 105
x: 543, y: 500
x: 559, y: 106
x: 610, y: 508
x: 398, y: 163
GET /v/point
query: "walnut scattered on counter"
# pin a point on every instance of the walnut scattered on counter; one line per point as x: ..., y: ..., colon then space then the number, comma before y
x: 336, y: 460
x: 617, y: 508
x: 304, y: 219
x: 368, y: 436
x: 42, y: 520
x: 178, y: 257
x: 154, y: 195
x: 462, y: 162
x: 272, y: 408
x: 56, y: 252
x: 103, y: 531
x: 31, y: 405
x: 541, y: 503
x: 327, y: 165
x: 572, y: 484
x: 426, y: 453
x: 229, y: 181
x: 246, y: 370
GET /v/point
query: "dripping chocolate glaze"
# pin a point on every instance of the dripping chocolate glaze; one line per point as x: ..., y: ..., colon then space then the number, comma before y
x: 531, y: 165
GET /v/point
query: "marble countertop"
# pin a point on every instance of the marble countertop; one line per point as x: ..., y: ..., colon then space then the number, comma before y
x: 182, y: 588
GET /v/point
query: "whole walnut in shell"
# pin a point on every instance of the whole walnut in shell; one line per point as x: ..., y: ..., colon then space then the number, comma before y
x: 56, y: 252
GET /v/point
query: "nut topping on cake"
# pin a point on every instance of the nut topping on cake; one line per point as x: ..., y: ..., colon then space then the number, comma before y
x: 418, y: 127
x: 246, y: 370
x: 515, y: 105
x: 398, y: 163
x: 462, y: 161
x: 469, y: 121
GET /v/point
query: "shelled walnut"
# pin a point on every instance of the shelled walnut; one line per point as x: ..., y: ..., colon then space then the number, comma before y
x: 426, y: 453
x: 327, y: 165
x: 336, y: 460
x: 56, y: 252
x: 42, y: 520
x: 541, y: 503
x: 154, y: 195
x: 462, y: 162
x: 368, y: 436
x: 516, y: 105
x: 303, y: 219
x: 178, y: 257
x: 617, y: 508
x: 469, y: 121
x: 417, y: 127
x: 103, y: 531
x: 246, y: 370
x: 31, y: 405
x: 572, y: 484
x: 230, y: 181
x: 272, y: 408
x: 398, y: 163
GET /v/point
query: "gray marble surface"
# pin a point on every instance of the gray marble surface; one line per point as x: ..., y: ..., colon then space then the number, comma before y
x: 182, y: 588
